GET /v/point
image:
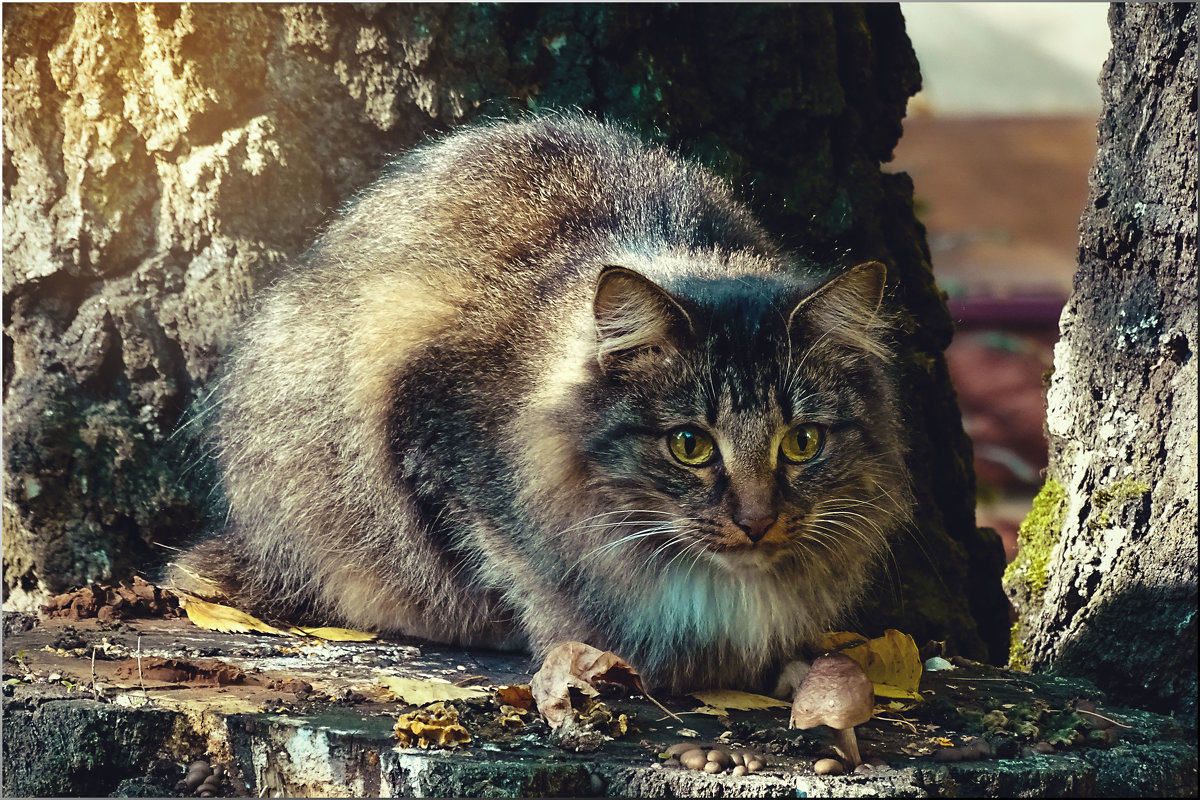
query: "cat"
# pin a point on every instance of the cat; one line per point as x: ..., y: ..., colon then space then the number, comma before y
x: 544, y: 382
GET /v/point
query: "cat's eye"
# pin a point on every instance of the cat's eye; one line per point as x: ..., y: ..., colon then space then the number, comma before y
x: 802, y: 443
x: 691, y: 446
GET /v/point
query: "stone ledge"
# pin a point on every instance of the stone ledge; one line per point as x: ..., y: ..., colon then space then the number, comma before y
x: 102, y: 735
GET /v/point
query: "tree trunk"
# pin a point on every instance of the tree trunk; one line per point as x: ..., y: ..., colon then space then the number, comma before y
x: 1106, y: 580
x: 162, y: 161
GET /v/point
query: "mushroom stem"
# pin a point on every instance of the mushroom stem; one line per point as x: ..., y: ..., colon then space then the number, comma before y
x: 845, y: 742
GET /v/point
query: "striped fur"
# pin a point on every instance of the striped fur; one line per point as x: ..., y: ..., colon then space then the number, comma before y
x: 451, y: 419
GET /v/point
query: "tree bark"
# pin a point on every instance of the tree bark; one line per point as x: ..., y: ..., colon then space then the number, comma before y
x: 1106, y: 580
x: 162, y: 161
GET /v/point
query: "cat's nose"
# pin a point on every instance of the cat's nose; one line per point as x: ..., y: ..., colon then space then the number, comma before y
x: 755, y: 526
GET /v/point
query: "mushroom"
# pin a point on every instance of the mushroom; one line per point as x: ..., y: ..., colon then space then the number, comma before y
x: 837, y: 693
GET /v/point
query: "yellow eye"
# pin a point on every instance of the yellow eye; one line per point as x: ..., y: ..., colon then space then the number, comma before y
x: 691, y: 446
x: 802, y: 443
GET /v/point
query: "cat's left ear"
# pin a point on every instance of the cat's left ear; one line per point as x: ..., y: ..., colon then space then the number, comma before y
x: 634, y: 315
x: 846, y: 308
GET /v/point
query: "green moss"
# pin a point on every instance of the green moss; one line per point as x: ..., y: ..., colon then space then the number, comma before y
x: 1038, y: 535
x: 1113, y: 496
x: 1018, y: 656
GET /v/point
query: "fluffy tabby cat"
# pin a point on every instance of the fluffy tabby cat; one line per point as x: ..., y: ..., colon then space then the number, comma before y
x: 544, y: 383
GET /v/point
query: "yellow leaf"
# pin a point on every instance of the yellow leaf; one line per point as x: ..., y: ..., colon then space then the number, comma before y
x: 892, y: 661
x: 420, y: 693
x: 337, y: 634
x: 216, y: 617
x: 894, y: 665
x: 721, y: 701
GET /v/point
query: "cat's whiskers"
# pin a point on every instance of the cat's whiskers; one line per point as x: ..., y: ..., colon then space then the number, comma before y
x: 834, y: 517
x: 592, y: 523
x: 657, y: 527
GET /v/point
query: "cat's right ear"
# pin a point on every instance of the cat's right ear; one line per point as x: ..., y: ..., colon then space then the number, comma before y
x: 634, y: 315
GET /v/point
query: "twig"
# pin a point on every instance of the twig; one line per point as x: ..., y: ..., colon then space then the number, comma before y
x: 897, y: 722
x: 661, y: 707
x: 1093, y: 714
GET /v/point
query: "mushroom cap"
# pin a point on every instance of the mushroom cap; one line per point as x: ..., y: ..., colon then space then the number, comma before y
x: 836, y: 692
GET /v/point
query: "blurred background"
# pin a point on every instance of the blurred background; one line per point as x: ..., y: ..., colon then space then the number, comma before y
x: 999, y: 144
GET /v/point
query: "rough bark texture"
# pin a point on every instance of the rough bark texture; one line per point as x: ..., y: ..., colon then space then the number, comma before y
x: 161, y: 161
x: 1106, y: 582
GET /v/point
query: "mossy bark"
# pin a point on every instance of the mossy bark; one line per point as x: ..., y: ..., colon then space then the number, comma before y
x: 1115, y: 596
x: 162, y: 160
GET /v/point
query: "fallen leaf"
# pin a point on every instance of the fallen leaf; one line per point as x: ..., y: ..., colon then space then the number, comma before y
x: 719, y: 702
x: 216, y: 617
x: 517, y: 696
x: 337, y: 634
x: 579, y: 666
x: 839, y: 641
x: 420, y: 693
x: 892, y: 661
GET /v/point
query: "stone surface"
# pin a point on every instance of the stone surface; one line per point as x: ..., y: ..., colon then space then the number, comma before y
x: 311, y: 718
x: 1106, y: 585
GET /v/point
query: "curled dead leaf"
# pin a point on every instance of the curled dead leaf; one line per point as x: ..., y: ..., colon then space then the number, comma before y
x: 579, y: 666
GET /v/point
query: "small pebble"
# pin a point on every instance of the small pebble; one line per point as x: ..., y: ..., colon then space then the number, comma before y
x: 1045, y: 748
x: 713, y: 767
x: 738, y: 759
x: 754, y: 764
x: 193, y: 781
x: 200, y: 766
x: 828, y: 766
x: 694, y: 759
x: 676, y: 750
x: 739, y: 771
x: 864, y: 768
x: 211, y: 784
x: 718, y: 757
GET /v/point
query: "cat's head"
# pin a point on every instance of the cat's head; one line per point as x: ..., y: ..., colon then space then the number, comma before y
x: 746, y: 421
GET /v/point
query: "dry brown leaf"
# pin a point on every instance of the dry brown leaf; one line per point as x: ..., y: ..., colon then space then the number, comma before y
x: 517, y: 696
x: 575, y: 665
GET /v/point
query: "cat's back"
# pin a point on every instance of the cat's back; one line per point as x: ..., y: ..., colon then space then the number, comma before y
x: 512, y: 207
